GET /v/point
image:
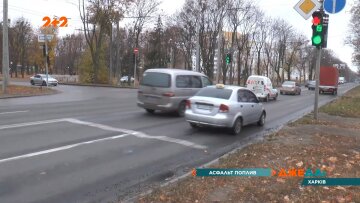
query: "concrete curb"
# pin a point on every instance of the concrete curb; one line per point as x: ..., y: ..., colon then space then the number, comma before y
x: 33, y: 95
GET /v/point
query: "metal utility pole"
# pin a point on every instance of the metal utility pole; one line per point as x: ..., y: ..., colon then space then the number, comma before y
x: 197, y: 69
x: 317, y: 79
x: 218, y: 64
x: 46, y: 61
x: 5, y: 48
x: 317, y: 73
x: 134, y: 72
x: 136, y: 51
x: 111, y: 54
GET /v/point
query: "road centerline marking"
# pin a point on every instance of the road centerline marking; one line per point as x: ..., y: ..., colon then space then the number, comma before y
x: 13, y: 112
x: 19, y: 125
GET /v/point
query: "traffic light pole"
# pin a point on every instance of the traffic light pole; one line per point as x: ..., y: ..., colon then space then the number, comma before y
x: 317, y: 69
x: 317, y: 79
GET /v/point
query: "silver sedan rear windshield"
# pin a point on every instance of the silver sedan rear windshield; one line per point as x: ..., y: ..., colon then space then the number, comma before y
x: 215, y: 93
x: 154, y: 79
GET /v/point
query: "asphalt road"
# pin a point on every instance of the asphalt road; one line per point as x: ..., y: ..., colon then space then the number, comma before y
x: 92, y: 144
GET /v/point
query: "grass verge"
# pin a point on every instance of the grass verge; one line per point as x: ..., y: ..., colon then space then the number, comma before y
x: 346, y: 106
x: 24, y: 91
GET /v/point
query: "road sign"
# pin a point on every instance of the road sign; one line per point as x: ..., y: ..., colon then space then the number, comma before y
x: 334, y: 6
x: 306, y: 7
x: 136, y: 50
x: 41, y: 37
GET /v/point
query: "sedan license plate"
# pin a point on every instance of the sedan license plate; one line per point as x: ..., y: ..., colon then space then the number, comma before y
x: 204, y: 107
x: 151, y: 99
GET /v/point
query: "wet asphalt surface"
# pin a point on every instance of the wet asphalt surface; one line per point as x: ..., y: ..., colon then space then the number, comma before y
x: 93, y: 144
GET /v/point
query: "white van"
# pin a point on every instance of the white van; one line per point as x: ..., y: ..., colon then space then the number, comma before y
x: 262, y: 87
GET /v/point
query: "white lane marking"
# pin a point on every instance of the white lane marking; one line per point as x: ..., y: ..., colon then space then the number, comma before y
x: 60, y: 148
x: 12, y: 112
x: 19, y: 125
x: 137, y: 134
x: 95, y: 125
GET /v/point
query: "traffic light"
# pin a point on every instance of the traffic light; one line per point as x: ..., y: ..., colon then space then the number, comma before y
x: 228, y: 58
x: 318, y: 29
x: 48, y: 60
x: 44, y: 50
x: 325, y: 29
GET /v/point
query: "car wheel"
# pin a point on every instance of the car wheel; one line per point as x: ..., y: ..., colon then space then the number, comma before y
x: 151, y: 111
x: 43, y: 83
x: 261, y: 121
x: 236, y: 129
x: 281, y: 93
x: 32, y: 82
x: 181, y: 109
x: 194, y: 125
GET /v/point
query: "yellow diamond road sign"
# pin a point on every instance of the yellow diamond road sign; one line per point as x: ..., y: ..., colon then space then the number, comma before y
x: 307, y: 7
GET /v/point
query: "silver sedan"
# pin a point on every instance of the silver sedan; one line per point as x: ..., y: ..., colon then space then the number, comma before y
x: 224, y: 106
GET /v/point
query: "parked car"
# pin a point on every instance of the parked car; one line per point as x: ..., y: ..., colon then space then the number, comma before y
x: 262, y: 87
x: 40, y: 79
x: 311, y: 85
x: 290, y: 87
x: 226, y: 106
x: 168, y: 89
x: 126, y: 79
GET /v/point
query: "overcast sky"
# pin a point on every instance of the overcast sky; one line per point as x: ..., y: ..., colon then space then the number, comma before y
x: 35, y: 10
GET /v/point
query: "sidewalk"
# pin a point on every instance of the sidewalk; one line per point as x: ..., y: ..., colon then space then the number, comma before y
x: 330, y: 144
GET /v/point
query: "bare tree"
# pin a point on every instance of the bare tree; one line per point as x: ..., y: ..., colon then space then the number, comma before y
x: 237, y: 15
x: 68, y: 53
x: 20, y: 36
x: 186, y: 19
x: 354, y: 37
x: 210, y: 23
x: 260, y: 37
x: 97, y: 18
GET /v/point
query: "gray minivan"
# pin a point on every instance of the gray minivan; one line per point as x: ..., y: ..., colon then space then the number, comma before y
x: 168, y: 89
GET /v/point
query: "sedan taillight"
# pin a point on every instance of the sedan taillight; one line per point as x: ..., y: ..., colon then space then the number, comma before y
x: 188, y: 104
x: 224, y: 108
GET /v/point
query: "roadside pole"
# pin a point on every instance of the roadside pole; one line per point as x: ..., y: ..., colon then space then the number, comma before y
x: 46, y: 62
x: 134, y: 71
x: 317, y: 79
x: 317, y: 71
x: 197, y: 65
x: 218, y: 64
x: 5, y: 47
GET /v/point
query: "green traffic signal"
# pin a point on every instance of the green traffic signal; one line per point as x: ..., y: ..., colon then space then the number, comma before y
x: 228, y: 59
x: 317, y: 40
x: 319, y: 28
